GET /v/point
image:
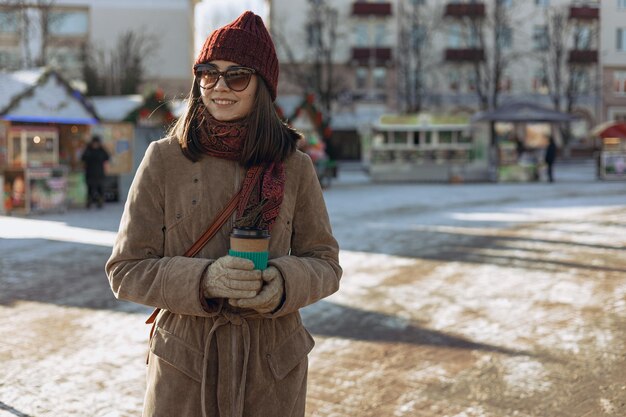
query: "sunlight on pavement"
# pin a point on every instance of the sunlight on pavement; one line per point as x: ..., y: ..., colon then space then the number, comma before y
x: 13, y: 228
x: 529, y: 214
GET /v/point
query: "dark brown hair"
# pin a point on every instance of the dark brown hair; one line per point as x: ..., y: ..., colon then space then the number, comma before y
x: 269, y: 138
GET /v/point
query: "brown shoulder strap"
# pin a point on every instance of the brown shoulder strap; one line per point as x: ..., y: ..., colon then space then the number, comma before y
x: 217, y: 224
x: 202, y: 240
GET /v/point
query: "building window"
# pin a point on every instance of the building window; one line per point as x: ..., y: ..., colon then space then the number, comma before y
x: 582, y: 37
x: 454, y: 80
x: 312, y: 34
x: 621, y: 4
x: 619, y: 83
x: 361, y: 77
x: 380, y: 77
x: 581, y: 81
x: 418, y: 35
x: 361, y: 36
x: 540, y: 82
x: 471, y: 81
x: 8, y: 21
x: 380, y: 34
x: 474, y: 37
x: 621, y: 39
x: 542, y: 3
x: 69, y: 23
x: 617, y: 114
x: 454, y: 36
x: 506, y: 37
x: 540, y: 37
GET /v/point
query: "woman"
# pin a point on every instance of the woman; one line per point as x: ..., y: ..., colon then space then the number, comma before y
x: 229, y: 340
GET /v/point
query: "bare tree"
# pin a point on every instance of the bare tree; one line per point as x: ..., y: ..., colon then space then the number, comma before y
x: 491, y: 35
x: 566, y: 76
x: 316, y: 74
x: 17, y: 15
x: 45, y: 21
x: 120, y: 70
x: 34, y: 22
x: 567, y: 66
x: 417, y: 24
x: 489, y: 71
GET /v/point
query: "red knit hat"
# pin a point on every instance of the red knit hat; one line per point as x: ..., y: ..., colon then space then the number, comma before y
x: 247, y: 42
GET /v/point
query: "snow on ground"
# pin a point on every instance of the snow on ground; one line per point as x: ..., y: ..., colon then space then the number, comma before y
x: 457, y: 300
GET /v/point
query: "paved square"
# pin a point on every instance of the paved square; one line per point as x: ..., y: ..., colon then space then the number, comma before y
x: 490, y: 300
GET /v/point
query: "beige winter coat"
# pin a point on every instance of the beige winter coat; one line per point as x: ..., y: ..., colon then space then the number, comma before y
x: 249, y: 365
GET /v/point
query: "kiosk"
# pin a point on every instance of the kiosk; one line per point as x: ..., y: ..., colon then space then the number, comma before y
x: 611, y: 156
x: 426, y: 148
x: 34, y: 181
x: 44, y: 124
x: 518, y: 153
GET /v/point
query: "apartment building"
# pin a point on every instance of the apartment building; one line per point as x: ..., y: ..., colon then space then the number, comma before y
x: 613, y: 59
x: 73, y: 24
x: 445, y: 52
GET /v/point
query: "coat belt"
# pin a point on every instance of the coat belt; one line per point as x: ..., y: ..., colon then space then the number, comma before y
x: 226, y: 317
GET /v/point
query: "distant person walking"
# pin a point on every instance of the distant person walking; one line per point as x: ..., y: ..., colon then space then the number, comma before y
x: 519, y: 147
x: 549, y: 158
x: 94, y: 158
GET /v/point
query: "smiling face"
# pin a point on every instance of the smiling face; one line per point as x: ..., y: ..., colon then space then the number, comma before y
x: 223, y: 103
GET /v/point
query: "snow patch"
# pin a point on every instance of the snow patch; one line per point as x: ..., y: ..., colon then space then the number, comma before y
x: 525, y: 377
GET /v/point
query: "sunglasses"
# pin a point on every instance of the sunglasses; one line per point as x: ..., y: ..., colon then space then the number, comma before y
x: 236, y: 78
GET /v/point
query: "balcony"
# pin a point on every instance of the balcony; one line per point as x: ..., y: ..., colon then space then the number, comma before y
x: 459, y: 10
x: 362, y: 56
x: 371, y: 9
x: 583, y: 56
x: 464, y: 55
x: 584, y: 13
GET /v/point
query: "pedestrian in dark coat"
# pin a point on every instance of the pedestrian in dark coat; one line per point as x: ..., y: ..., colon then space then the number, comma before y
x: 550, y: 157
x: 229, y: 340
x: 95, y: 158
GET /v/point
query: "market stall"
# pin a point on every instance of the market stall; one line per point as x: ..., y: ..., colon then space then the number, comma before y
x: 45, y: 123
x: 611, y: 156
x: 424, y: 147
x: 521, y: 132
x: 33, y: 180
x: 128, y: 125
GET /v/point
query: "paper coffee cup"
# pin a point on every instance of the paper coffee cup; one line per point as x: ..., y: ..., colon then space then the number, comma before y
x: 250, y: 243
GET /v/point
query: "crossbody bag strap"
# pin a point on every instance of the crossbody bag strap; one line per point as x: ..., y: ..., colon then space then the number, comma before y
x: 202, y: 240
x: 217, y: 224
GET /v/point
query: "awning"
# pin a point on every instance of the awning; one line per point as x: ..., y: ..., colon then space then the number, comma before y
x: 50, y: 119
x: 523, y: 112
x: 609, y: 130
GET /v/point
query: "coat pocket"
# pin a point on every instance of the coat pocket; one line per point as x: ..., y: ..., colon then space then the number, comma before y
x: 290, y: 352
x: 176, y: 352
